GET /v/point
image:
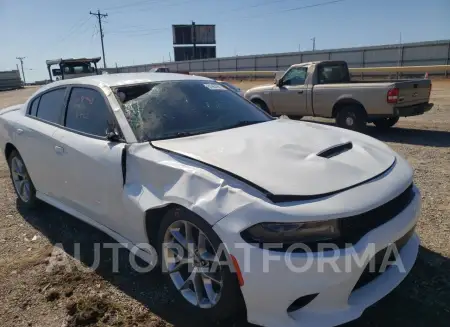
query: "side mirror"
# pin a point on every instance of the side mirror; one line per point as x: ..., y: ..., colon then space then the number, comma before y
x: 279, y: 82
x: 112, y: 135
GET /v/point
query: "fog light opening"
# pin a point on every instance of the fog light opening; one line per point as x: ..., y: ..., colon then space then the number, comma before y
x: 301, y: 302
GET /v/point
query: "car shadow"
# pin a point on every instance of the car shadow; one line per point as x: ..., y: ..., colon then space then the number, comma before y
x: 148, y: 288
x: 424, y: 137
x: 421, y: 300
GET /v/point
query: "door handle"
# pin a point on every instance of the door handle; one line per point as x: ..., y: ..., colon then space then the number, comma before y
x: 300, y: 92
x: 59, y: 149
x: 19, y: 131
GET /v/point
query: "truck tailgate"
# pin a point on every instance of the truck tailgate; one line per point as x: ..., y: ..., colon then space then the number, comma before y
x: 413, y: 92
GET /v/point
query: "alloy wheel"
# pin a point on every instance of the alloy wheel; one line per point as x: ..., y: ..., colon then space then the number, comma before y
x: 21, y: 179
x: 192, y: 264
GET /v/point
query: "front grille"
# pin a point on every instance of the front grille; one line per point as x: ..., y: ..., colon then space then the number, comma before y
x: 355, y: 227
x: 375, y: 266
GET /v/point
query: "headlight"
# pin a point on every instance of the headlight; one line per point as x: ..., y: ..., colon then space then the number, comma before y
x: 290, y: 233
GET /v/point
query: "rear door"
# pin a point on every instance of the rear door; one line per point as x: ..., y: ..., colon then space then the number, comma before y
x: 36, y: 143
x: 91, y: 165
x: 290, y: 98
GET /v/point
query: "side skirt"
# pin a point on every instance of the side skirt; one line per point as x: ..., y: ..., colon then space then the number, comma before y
x: 144, y: 254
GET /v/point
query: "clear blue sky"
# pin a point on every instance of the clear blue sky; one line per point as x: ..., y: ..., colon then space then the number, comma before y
x: 139, y: 31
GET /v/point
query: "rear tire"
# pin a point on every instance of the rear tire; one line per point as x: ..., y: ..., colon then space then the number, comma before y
x: 352, y: 117
x: 216, y: 306
x: 21, y: 180
x: 385, y: 123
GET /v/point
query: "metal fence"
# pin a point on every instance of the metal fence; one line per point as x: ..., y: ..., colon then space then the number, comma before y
x: 408, y: 54
x: 10, y: 80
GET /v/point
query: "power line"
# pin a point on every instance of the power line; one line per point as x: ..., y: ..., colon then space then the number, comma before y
x: 163, y: 4
x: 289, y: 10
x: 21, y: 65
x: 133, y: 4
x: 99, y: 17
x: 73, y: 29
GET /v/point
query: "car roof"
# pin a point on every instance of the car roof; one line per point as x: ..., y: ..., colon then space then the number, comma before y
x: 122, y: 79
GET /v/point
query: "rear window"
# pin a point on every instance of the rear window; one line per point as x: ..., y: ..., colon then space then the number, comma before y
x: 51, y: 105
x: 34, y: 107
x: 333, y: 73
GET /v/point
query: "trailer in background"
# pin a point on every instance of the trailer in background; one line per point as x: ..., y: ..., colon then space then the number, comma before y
x: 72, y: 68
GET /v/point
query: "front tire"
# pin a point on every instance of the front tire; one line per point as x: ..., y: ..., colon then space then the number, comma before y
x: 385, y: 123
x: 197, y: 287
x: 261, y: 104
x: 23, y: 185
x: 352, y: 117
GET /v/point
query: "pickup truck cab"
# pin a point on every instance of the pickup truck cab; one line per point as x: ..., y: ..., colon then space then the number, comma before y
x: 324, y: 89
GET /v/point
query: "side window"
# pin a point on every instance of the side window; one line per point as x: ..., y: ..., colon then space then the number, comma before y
x: 295, y: 76
x: 51, y: 105
x: 34, y: 107
x: 87, y: 112
x: 331, y: 74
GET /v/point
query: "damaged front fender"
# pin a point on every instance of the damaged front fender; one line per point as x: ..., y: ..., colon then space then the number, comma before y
x: 154, y: 178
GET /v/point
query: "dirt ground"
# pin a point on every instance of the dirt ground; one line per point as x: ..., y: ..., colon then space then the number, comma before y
x: 32, y: 294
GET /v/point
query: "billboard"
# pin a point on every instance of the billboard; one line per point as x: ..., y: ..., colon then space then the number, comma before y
x: 187, y: 53
x: 184, y: 34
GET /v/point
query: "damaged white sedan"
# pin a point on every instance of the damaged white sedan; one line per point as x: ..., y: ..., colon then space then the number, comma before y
x: 305, y: 213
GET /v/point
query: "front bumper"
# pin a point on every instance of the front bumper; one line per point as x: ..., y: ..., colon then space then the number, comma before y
x: 415, y: 110
x: 270, y: 287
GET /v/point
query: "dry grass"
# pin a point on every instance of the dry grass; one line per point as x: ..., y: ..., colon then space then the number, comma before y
x: 31, y: 294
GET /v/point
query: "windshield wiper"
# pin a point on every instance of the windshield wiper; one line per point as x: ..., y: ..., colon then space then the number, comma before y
x: 176, y: 135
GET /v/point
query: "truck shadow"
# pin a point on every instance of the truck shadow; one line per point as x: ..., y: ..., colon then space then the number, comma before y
x: 421, y: 300
x: 424, y: 137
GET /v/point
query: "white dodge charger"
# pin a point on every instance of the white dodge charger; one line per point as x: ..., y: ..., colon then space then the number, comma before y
x: 289, y: 222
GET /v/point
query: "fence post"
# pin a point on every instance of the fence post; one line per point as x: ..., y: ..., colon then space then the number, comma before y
x: 363, y: 62
x: 400, y: 61
x: 189, y: 63
x: 448, y: 59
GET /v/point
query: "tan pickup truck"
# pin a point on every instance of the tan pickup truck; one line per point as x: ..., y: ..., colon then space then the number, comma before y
x: 324, y: 89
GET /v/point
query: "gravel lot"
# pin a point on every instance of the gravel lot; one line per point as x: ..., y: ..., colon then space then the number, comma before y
x: 32, y: 294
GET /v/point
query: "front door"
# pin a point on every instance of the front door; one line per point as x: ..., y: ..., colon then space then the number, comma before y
x: 290, y: 98
x: 91, y: 165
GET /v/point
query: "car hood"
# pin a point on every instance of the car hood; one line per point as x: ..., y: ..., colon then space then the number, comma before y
x: 286, y: 157
x: 260, y: 88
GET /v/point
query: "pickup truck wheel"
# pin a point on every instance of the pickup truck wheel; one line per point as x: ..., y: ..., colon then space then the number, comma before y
x: 352, y: 117
x: 23, y: 185
x: 261, y: 104
x: 385, y: 123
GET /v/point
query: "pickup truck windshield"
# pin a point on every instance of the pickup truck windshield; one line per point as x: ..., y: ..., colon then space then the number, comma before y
x: 172, y: 109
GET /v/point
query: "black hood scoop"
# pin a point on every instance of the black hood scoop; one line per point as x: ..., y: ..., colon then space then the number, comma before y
x: 335, y: 150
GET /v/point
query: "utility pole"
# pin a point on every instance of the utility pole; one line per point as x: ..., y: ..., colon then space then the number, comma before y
x: 194, y: 40
x: 21, y: 65
x: 99, y: 17
x: 314, y: 43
